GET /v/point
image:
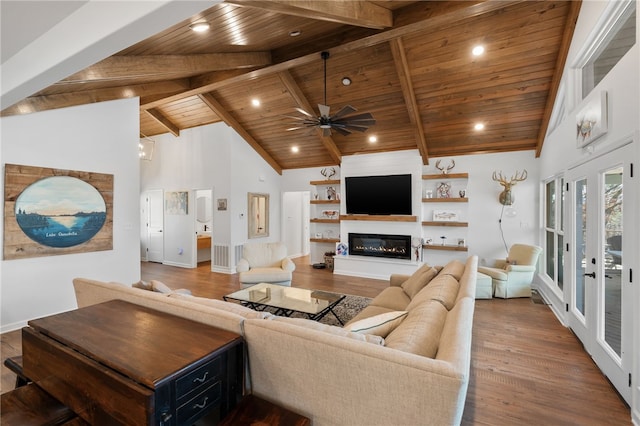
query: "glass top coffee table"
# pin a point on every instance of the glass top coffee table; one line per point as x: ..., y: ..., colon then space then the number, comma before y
x: 314, y: 304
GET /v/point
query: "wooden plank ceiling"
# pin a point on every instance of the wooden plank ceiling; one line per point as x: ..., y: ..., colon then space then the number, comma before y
x: 410, y: 64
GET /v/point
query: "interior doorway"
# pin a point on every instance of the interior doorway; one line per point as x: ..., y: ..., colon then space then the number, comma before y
x: 295, y: 222
x: 153, y: 225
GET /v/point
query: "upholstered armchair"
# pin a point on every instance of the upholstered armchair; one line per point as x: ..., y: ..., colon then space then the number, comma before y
x: 512, y: 276
x: 265, y: 263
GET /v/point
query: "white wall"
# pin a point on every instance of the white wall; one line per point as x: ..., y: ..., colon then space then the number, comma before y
x: 482, y: 212
x: 214, y: 156
x: 102, y: 138
x: 560, y: 153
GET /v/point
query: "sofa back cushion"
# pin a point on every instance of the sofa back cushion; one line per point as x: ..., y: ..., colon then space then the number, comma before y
x: 443, y: 289
x: 419, y: 333
x: 330, y: 329
x: 418, y: 281
x: 264, y: 255
x: 455, y: 268
x: 235, y: 308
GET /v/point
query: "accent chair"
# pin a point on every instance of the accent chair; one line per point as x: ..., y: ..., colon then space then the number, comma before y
x: 265, y: 263
x: 512, y: 276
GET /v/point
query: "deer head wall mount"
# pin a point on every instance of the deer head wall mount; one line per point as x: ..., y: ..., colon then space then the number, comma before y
x: 449, y: 167
x: 506, y: 196
x: 328, y: 174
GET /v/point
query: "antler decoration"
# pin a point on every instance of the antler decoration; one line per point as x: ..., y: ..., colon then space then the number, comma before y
x: 506, y: 197
x: 331, y: 172
x: 442, y: 169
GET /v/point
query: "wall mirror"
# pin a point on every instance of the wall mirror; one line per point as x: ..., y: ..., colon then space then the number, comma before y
x: 258, y: 207
x: 203, y: 208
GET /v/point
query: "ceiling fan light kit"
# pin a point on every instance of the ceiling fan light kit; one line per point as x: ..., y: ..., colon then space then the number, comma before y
x: 341, y: 122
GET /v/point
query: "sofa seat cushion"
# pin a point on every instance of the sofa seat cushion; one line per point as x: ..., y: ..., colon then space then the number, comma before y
x: 418, y: 281
x: 222, y: 305
x: 419, y: 333
x: 265, y: 275
x: 392, y: 298
x: 380, y: 325
x: 369, y: 311
x: 443, y: 288
x: 331, y: 329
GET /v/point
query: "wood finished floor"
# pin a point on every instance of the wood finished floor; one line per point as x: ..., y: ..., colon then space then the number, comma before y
x: 526, y: 367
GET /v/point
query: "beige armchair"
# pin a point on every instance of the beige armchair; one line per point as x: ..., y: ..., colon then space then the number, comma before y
x: 512, y: 276
x: 265, y: 263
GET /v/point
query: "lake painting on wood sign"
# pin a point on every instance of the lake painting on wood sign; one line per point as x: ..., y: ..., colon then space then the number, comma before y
x: 60, y: 211
x: 56, y: 211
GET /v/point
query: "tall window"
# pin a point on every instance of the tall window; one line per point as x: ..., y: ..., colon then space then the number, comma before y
x: 614, y: 40
x: 554, y: 230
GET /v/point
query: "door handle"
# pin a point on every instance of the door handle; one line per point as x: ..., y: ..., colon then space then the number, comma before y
x: 592, y: 275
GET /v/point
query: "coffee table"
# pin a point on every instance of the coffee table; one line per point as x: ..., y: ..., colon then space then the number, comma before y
x: 315, y: 304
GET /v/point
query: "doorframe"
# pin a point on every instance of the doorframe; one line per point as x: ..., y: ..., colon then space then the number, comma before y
x: 629, y: 326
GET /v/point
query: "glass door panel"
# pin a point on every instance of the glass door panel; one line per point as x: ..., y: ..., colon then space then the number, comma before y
x: 611, y: 309
x: 580, y: 245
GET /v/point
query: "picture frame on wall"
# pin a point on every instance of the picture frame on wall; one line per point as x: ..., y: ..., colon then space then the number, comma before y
x: 592, y: 121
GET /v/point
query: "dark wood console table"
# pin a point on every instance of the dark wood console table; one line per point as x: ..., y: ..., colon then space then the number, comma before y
x: 120, y: 363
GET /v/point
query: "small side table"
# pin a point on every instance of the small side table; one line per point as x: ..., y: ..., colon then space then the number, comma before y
x: 256, y: 411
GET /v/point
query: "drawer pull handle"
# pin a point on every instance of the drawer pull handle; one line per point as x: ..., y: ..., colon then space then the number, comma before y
x: 204, y: 403
x: 201, y: 379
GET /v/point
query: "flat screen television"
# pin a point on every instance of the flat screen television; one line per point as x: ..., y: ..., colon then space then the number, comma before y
x: 380, y: 195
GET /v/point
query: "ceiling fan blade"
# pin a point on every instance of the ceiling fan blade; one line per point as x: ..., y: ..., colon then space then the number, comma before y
x: 342, y: 131
x: 300, y: 110
x: 363, y: 116
x: 324, y: 110
x: 356, y: 128
x: 344, y: 111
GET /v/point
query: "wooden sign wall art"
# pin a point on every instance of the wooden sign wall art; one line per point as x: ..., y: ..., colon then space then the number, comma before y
x: 50, y: 212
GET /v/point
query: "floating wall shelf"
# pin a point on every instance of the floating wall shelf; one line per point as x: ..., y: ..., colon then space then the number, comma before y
x: 379, y: 218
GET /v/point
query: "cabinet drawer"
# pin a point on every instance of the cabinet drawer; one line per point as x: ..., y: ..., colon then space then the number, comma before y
x: 208, y: 372
x: 201, y: 403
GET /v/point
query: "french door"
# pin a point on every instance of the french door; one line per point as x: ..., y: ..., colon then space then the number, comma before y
x: 600, y: 197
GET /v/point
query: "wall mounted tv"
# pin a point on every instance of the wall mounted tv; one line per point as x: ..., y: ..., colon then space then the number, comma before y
x: 379, y: 195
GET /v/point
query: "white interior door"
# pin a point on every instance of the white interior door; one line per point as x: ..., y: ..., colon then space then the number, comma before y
x: 601, y: 196
x: 155, y: 225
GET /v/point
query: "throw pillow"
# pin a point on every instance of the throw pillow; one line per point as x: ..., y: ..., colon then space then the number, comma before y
x: 160, y: 287
x: 379, y: 325
x: 142, y: 285
x: 416, y: 282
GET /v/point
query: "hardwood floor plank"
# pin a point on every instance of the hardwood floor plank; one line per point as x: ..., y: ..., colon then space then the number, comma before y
x: 526, y: 368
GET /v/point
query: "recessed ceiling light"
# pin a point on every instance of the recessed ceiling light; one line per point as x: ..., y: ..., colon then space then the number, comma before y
x: 479, y: 126
x: 478, y: 50
x: 346, y: 81
x: 295, y: 33
x: 255, y: 102
x: 199, y: 27
x: 295, y: 149
x: 373, y: 139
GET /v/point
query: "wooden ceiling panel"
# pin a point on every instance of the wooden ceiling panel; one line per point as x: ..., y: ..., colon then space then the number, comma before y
x: 427, y: 94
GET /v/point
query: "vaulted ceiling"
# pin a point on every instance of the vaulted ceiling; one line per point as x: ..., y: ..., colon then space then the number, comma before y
x: 410, y: 65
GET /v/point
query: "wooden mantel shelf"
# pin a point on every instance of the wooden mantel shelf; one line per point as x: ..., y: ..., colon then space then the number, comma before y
x: 445, y: 247
x: 379, y: 218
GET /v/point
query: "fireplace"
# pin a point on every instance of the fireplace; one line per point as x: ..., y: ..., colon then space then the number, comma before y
x: 380, y: 245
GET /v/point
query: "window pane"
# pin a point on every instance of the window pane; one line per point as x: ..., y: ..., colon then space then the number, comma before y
x: 561, y: 206
x: 621, y: 39
x: 560, y: 262
x: 551, y: 206
x: 549, y: 253
x: 581, y: 243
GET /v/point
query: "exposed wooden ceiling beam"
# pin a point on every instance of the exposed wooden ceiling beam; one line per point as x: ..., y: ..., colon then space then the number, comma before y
x: 358, y: 13
x: 216, y: 107
x: 402, y: 67
x: 123, y: 67
x: 302, y: 101
x: 437, y: 22
x: 63, y: 100
x: 164, y: 121
x: 569, y: 27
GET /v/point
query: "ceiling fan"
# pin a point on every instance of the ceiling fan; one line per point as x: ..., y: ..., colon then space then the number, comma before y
x: 341, y: 121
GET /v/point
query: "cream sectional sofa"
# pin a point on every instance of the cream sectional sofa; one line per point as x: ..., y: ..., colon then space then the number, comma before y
x: 417, y: 374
